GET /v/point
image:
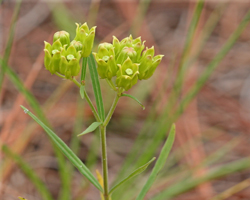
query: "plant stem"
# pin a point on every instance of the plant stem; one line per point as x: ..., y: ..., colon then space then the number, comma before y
x: 104, y: 148
x: 111, y: 84
x: 89, y: 101
x: 104, y: 162
x: 86, y: 97
x: 112, y: 109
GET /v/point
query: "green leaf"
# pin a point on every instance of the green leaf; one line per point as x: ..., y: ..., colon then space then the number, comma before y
x: 213, y: 64
x: 82, y: 89
x: 30, y: 173
x: 9, y: 41
x: 17, y: 82
x: 91, y: 128
x: 132, y: 97
x: 96, y: 86
x: 185, y: 185
x: 84, y: 67
x: 67, y: 151
x: 134, y: 173
x: 159, y: 163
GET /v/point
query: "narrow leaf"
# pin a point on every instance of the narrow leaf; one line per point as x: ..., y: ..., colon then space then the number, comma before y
x: 82, y: 88
x: 91, y: 128
x: 66, y: 151
x: 83, y: 75
x: 132, y: 97
x: 84, y: 67
x: 9, y: 41
x: 214, y: 63
x: 30, y: 173
x: 96, y: 86
x: 33, y: 103
x: 134, y: 173
x: 159, y: 163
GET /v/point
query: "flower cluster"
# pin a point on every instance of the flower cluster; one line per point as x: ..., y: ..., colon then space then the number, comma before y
x: 64, y: 56
x: 127, y: 61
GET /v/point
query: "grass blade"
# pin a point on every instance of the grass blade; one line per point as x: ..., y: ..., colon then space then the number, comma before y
x: 36, y: 107
x: 66, y: 151
x: 159, y: 163
x: 91, y: 128
x: 186, y: 185
x: 96, y: 86
x: 134, y: 173
x: 132, y: 97
x: 214, y: 63
x: 9, y: 42
x: 30, y: 173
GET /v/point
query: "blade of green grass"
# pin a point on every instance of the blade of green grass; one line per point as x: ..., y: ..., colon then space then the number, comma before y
x: 134, y: 173
x: 66, y: 151
x: 184, y: 186
x: 96, y: 86
x: 65, y: 193
x: 9, y: 42
x: 27, y: 94
x: 233, y: 190
x: 38, y: 110
x: 159, y: 163
x: 30, y: 173
x: 213, y: 64
x: 187, y: 47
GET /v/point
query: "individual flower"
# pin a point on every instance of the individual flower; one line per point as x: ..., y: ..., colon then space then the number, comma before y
x: 105, y: 58
x: 70, y: 59
x: 128, y: 47
x: 77, y: 45
x: 148, y: 63
x: 86, y: 36
x: 127, y: 74
x: 63, y: 37
x: 52, y: 58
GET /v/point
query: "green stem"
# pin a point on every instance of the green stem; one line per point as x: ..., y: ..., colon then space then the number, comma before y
x: 86, y: 97
x: 104, y: 148
x: 112, y: 109
x: 104, y: 162
x: 89, y: 101
x: 111, y: 84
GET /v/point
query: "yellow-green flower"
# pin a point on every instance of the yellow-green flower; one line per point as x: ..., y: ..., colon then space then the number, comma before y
x: 52, y: 58
x: 70, y: 59
x: 63, y: 37
x: 86, y: 36
x: 127, y: 74
x: 105, y: 58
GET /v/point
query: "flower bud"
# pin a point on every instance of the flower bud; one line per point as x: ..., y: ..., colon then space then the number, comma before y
x: 105, y: 58
x: 52, y: 58
x: 125, y: 53
x: 70, y: 62
x: 77, y: 45
x: 127, y: 74
x: 150, y: 71
x: 86, y: 36
x: 63, y: 37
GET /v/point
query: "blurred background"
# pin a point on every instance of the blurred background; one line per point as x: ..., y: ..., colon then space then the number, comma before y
x: 210, y: 158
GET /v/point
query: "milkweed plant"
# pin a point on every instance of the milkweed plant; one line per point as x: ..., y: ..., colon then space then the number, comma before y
x: 122, y: 63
